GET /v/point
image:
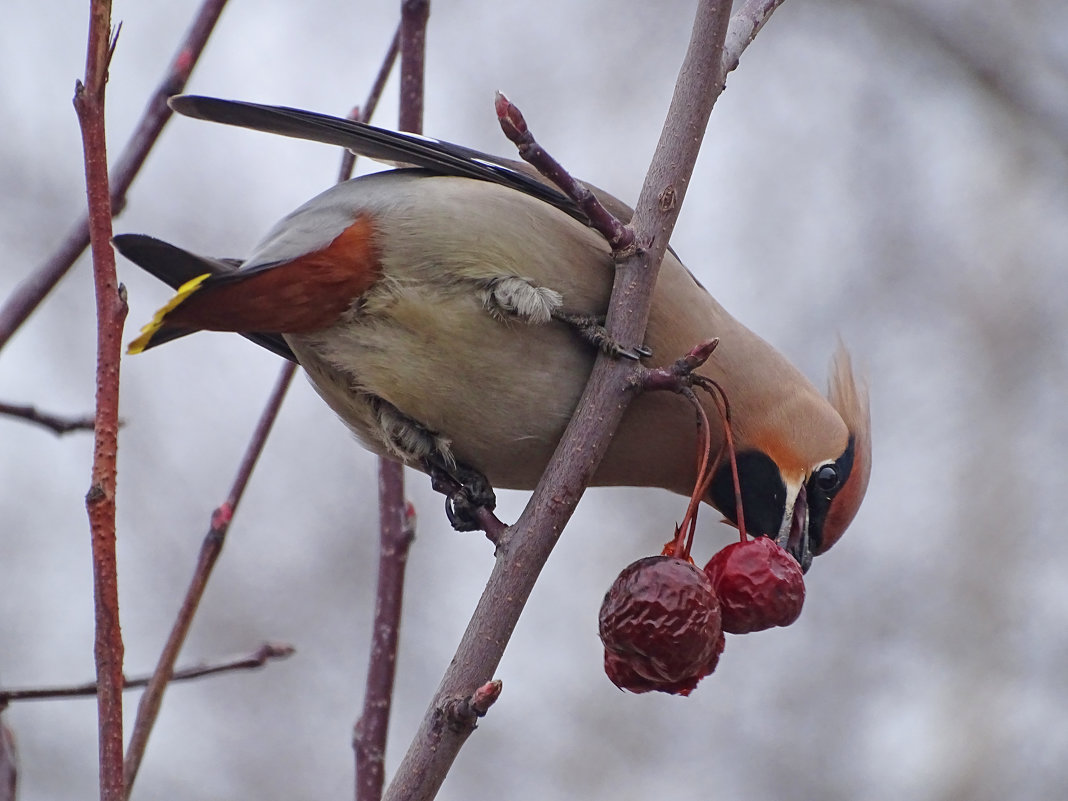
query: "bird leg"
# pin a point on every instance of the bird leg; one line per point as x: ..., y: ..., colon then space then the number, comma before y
x: 590, y: 329
x: 407, y: 439
x: 512, y: 298
x: 469, y: 498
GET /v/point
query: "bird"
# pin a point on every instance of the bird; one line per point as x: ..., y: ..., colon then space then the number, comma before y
x: 449, y: 308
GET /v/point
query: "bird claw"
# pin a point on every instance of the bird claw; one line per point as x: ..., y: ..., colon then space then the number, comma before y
x: 462, y: 513
x: 592, y: 330
x: 637, y: 352
x: 466, y: 492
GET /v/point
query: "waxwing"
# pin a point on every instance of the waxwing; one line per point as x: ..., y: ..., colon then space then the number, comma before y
x: 443, y: 312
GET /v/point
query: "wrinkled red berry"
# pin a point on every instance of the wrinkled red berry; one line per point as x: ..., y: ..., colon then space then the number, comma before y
x: 660, y: 625
x: 759, y: 585
x: 626, y: 678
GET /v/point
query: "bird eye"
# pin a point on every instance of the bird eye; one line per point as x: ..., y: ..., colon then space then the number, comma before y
x: 827, y: 478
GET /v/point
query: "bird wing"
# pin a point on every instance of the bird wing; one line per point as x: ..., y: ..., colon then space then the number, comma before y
x: 390, y: 147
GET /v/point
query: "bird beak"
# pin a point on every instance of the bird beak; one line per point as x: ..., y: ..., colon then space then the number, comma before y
x: 793, y: 536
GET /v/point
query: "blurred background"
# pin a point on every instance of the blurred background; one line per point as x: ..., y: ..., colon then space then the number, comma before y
x: 891, y: 172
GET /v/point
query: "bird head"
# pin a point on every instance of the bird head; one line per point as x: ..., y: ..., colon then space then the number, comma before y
x: 803, y: 473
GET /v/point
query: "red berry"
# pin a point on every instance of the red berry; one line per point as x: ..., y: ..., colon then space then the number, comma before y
x: 660, y: 625
x: 759, y: 585
x: 626, y: 678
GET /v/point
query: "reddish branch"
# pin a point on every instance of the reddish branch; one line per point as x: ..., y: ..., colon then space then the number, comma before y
x: 397, y: 519
x: 268, y: 652
x: 396, y: 535
x: 414, y: 16
x: 151, y: 701
x: 366, y: 111
x: 33, y: 290
x: 525, y: 547
x: 618, y: 236
x: 680, y: 374
x: 110, y: 315
x: 53, y: 422
x: 148, y: 708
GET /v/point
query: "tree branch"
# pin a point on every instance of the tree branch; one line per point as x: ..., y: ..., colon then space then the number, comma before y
x: 152, y: 700
x: 524, y: 548
x: 619, y: 236
x: 745, y: 25
x: 53, y: 422
x: 28, y: 295
x: 367, y: 110
x: 397, y: 519
x: 268, y: 652
x: 110, y: 314
x: 397, y: 533
x: 414, y: 16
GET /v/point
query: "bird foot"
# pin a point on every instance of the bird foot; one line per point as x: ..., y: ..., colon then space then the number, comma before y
x: 591, y: 329
x: 469, y: 498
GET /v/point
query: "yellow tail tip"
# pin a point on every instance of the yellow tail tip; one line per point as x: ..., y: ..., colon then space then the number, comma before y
x: 148, y: 331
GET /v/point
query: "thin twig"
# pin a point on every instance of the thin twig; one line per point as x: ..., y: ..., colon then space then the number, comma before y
x: 397, y: 534
x: 110, y: 315
x: 268, y: 652
x: 618, y: 235
x: 366, y: 111
x: 680, y: 373
x: 414, y: 16
x: 525, y: 547
x: 746, y: 23
x: 53, y: 422
x: 396, y: 518
x: 379, y: 85
x: 148, y: 708
x: 28, y: 295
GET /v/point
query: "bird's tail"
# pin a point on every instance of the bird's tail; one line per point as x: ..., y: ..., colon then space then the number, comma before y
x: 187, y: 273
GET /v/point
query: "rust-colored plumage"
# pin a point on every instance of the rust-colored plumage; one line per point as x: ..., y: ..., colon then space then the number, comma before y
x: 850, y: 399
x: 304, y: 294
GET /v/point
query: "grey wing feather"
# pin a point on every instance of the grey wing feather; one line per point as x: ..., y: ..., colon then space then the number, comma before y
x: 392, y: 147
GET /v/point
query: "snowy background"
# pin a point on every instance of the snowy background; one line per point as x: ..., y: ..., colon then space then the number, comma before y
x: 893, y: 172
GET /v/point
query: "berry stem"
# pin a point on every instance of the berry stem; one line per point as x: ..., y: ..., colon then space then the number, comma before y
x: 720, y: 398
x: 685, y: 531
x: 680, y: 546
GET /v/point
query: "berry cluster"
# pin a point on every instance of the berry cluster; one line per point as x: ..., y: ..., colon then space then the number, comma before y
x: 662, y: 620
